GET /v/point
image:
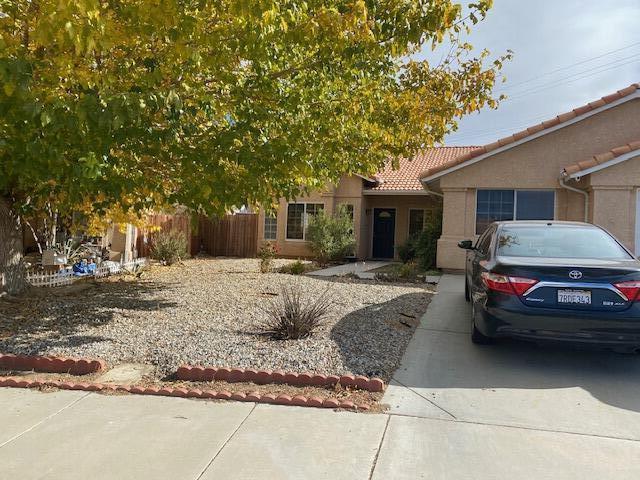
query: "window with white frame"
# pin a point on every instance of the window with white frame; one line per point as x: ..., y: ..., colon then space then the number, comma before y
x: 503, y: 205
x: 298, y: 215
x: 270, y: 227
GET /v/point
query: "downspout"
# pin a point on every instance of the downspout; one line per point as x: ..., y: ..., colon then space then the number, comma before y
x: 581, y: 192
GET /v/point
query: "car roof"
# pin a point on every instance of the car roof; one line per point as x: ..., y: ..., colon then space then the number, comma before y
x: 547, y: 223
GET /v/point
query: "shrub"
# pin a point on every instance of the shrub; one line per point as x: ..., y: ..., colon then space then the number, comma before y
x: 426, y: 243
x: 407, y: 250
x: 409, y: 272
x: 169, y: 246
x: 295, y: 268
x: 331, y: 237
x: 292, y: 317
x: 267, y: 253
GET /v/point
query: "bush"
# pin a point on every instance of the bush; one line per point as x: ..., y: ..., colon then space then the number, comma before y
x: 295, y: 268
x: 291, y: 318
x: 407, y: 250
x: 267, y: 253
x: 331, y: 237
x: 169, y: 246
x: 407, y: 272
x: 427, y: 242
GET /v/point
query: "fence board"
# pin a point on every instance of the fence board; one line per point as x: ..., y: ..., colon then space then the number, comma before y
x: 228, y: 236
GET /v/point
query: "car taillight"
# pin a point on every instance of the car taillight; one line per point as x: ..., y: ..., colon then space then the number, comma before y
x: 629, y: 289
x: 506, y: 284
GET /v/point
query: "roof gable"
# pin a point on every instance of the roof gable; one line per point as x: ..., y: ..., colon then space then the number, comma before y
x: 541, y: 129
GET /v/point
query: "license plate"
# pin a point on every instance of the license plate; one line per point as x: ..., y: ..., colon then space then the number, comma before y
x: 580, y: 297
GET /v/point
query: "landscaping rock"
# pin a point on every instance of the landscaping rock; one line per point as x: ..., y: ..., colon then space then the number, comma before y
x: 210, y: 312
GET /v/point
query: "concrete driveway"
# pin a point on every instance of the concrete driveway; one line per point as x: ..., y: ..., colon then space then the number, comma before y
x: 458, y: 411
x: 511, y: 409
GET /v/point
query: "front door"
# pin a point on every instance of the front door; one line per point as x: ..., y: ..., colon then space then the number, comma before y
x: 384, y: 228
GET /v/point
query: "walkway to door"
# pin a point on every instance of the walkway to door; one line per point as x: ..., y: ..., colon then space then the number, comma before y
x: 362, y: 269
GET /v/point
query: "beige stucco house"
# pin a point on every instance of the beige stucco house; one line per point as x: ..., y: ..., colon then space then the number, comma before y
x: 386, y: 208
x: 582, y: 165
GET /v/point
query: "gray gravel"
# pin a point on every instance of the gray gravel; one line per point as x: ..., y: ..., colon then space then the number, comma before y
x: 209, y: 312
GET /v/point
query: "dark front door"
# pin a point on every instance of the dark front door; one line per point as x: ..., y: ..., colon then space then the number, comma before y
x: 384, y: 228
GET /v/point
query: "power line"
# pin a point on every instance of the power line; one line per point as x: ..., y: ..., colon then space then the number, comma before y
x: 582, y: 62
x: 568, y: 81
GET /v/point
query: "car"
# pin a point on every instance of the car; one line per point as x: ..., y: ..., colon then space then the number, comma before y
x: 553, y: 281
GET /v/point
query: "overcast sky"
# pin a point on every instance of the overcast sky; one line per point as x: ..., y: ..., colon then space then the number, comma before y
x: 566, y: 54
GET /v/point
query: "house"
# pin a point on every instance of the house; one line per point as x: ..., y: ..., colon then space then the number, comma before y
x: 386, y: 209
x: 582, y: 165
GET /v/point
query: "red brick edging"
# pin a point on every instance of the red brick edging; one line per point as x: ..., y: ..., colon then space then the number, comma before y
x: 298, y: 400
x: 73, y: 366
x: 233, y: 375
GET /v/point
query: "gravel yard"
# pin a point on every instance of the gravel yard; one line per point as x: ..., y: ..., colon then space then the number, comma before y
x: 209, y: 312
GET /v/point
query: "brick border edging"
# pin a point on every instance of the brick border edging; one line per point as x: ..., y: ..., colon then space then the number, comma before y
x: 298, y: 400
x: 233, y: 375
x: 37, y: 363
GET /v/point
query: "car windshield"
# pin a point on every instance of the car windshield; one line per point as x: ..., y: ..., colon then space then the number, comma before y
x: 559, y: 242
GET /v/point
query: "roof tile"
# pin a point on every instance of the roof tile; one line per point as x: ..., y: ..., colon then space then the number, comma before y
x: 602, y: 158
x: 407, y: 176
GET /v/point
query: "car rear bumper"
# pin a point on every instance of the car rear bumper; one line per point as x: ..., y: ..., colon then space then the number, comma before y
x: 615, y: 329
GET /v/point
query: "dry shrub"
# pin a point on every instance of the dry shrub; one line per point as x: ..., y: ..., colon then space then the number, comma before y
x: 293, y: 317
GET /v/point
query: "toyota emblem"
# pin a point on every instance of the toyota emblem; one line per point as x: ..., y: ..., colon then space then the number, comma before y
x: 575, y: 274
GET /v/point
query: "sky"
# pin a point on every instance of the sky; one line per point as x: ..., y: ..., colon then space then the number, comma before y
x: 566, y: 53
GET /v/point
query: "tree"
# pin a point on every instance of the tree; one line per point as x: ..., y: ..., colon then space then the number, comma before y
x: 128, y: 105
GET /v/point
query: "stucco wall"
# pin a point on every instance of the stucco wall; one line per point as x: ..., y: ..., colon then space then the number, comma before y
x: 615, y: 199
x: 537, y: 164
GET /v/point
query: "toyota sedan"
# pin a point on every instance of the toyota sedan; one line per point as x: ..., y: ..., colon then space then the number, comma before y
x: 558, y: 281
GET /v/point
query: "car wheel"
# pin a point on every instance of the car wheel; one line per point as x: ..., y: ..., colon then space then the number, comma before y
x: 467, y: 293
x: 477, y: 336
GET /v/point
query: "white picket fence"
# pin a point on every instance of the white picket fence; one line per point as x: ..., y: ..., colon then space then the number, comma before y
x: 66, y: 277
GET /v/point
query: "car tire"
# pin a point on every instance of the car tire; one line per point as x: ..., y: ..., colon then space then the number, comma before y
x: 467, y: 293
x: 477, y: 337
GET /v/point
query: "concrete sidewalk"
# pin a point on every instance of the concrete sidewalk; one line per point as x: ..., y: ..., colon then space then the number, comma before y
x: 457, y: 411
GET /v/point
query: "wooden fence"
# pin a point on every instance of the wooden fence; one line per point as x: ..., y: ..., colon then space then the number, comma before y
x: 229, y: 236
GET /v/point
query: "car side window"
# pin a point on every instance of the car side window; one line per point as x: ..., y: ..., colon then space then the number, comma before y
x: 485, y: 241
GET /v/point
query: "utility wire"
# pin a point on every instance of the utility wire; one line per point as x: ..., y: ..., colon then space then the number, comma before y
x: 567, y: 67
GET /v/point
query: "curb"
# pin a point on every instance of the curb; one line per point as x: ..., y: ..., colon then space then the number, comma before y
x: 298, y: 400
x: 73, y: 366
x: 261, y: 377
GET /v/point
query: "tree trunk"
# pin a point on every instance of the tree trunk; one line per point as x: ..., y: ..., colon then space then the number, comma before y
x: 12, y: 273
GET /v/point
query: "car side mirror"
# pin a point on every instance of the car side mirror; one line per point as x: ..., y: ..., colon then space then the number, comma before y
x: 466, y: 244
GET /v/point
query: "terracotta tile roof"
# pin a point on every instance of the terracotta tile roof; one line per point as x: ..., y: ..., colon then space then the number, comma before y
x: 562, y: 118
x: 407, y: 176
x: 601, y: 158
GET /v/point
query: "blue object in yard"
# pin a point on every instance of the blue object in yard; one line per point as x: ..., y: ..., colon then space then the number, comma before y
x: 82, y: 268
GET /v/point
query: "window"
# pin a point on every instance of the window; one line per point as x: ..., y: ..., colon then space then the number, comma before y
x: 559, y: 241
x: 416, y: 221
x: 348, y: 208
x: 501, y: 205
x: 270, y: 227
x: 298, y: 218
x: 484, y: 242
